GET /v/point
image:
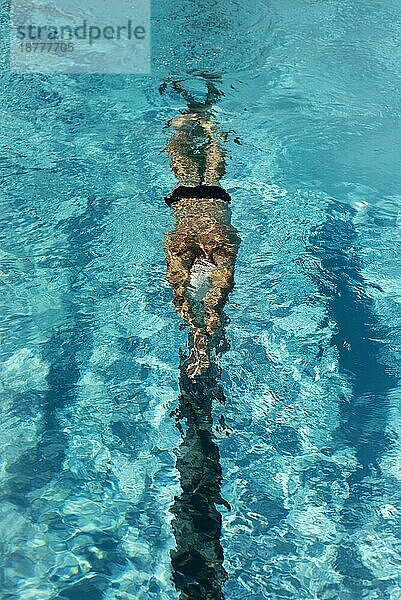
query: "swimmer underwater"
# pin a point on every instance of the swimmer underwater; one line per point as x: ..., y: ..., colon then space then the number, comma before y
x: 201, y: 250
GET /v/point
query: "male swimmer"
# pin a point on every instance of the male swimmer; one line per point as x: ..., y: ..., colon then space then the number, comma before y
x: 202, y: 249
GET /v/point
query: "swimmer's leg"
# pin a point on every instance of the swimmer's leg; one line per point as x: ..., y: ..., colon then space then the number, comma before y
x: 179, y: 262
x: 222, y: 284
x: 179, y: 265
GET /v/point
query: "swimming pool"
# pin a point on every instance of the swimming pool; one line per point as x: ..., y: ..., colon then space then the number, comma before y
x: 309, y: 444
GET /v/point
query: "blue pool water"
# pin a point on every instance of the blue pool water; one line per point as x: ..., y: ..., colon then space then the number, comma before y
x: 90, y: 342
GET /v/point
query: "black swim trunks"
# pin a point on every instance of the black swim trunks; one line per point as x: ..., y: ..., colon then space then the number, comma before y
x: 203, y: 192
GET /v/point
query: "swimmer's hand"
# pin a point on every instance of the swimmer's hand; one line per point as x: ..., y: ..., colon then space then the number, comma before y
x: 184, y: 121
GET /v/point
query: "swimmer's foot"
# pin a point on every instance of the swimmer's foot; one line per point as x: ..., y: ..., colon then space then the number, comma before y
x: 197, y: 367
x: 199, y: 360
x: 213, y: 321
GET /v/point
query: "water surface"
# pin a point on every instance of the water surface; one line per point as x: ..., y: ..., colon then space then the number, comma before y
x: 91, y: 341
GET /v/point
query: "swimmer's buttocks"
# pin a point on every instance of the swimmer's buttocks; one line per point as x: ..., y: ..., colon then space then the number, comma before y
x: 203, y: 192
